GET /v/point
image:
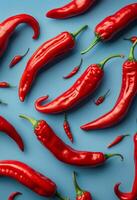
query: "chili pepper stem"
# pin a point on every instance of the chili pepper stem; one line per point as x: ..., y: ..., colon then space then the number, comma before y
x: 75, y: 34
x: 96, y: 40
x: 106, y: 94
x: 26, y: 53
x: 78, y: 190
x: 107, y: 156
x: 60, y: 197
x: 30, y: 119
x: 3, y: 103
x: 131, y: 54
x: 102, y: 63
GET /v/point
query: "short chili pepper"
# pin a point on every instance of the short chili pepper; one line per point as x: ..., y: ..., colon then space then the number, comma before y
x: 46, y: 53
x: 132, y: 39
x: 28, y: 177
x: 74, y: 8
x: 8, y: 26
x: 67, y: 129
x: 17, y: 59
x: 126, y: 96
x: 83, y: 87
x: 80, y: 193
x: 74, y: 71
x: 101, y: 99
x: 64, y: 152
x: 14, y: 195
x: 7, y: 128
x: 117, y: 140
x: 133, y: 194
x: 5, y: 85
x: 111, y: 25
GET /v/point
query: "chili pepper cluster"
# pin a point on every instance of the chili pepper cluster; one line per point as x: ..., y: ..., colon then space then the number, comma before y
x: 84, y: 86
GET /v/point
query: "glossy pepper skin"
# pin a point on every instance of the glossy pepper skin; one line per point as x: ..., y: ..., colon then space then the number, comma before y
x: 63, y: 152
x: 117, y: 140
x: 83, y: 87
x: 5, y: 85
x: 126, y: 96
x: 47, y: 52
x: 74, y: 8
x: 133, y: 194
x: 111, y: 25
x: 8, y: 129
x: 80, y: 193
x: 14, y: 195
x: 8, y: 26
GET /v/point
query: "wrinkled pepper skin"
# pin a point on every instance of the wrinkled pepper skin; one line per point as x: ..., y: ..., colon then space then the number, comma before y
x: 133, y: 194
x: 8, y: 129
x: 28, y: 177
x: 8, y: 26
x: 126, y: 96
x: 14, y: 195
x: 74, y: 8
x: 62, y: 151
x: 47, y: 52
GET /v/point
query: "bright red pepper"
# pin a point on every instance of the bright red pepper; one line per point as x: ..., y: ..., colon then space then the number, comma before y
x: 14, y: 195
x: 74, y: 71
x: 117, y: 140
x: 7, y: 128
x: 46, y: 53
x: 67, y: 129
x: 63, y: 152
x: 107, y: 28
x: 133, y: 194
x: 132, y: 39
x: 126, y: 96
x: 101, y: 99
x: 74, y: 8
x: 5, y: 85
x: 80, y: 194
x: 83, y: 87
x: 17, y: 59
x: 8, y: 26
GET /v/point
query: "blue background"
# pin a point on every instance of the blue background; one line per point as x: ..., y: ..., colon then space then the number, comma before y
x: 99, y: 181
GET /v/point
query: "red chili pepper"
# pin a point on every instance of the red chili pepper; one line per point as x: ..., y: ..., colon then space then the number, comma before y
x: 63, y: 152
x: 101, y: 99
x: 83, y: 87
x: 5, y: 85
x: 126, y: 96
x: 74, y: 71
x: 67, y: 129
x: 117, y: 140
x: 132, y: 39
x: 47, y: 52
x: 8, y: 26
x: 74, y: 8
x: 80, y: 194
x: 27, y: 176
x: 7, y: 128
x: 111, y: 25
x: 133, y: 194
x: 14, y: 195
x: 17, y: 59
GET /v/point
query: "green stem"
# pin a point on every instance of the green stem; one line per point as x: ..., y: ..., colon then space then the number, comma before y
x: 131, y: 54
x: 107, y: 93
x: 96, y: 40
x: 75, y: 34
x: 31, y: 120
x: 78, y: 190
x: 3, y: 103
x: 65, y: 117
x: 102, y: 64
x: 60, y: 197
x: 126, y: 135
x: 107, y: 156
x: 26, y: 53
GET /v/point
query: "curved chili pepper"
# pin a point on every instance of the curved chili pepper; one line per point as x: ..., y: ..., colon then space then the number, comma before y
x: 14, y: 195
x: 111, y: 25
x: 47, y: 52
x: 74, y: 8
x: 8, y: 26
x: 101, y: 99
x: 67, y: 129
x: 5, y: 85
x: 133, y: 194
x: 7, y: 128
x: 83, y: 87
x: 74, y: 71
x: 80, y: 194
x: 17, y: 59
x: 126, y: 96
x: 117, y: 140
x: 132, y: 39
x: 64, y: 152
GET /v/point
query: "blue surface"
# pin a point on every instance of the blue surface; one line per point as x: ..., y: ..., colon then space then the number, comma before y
x: 99, y: 181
